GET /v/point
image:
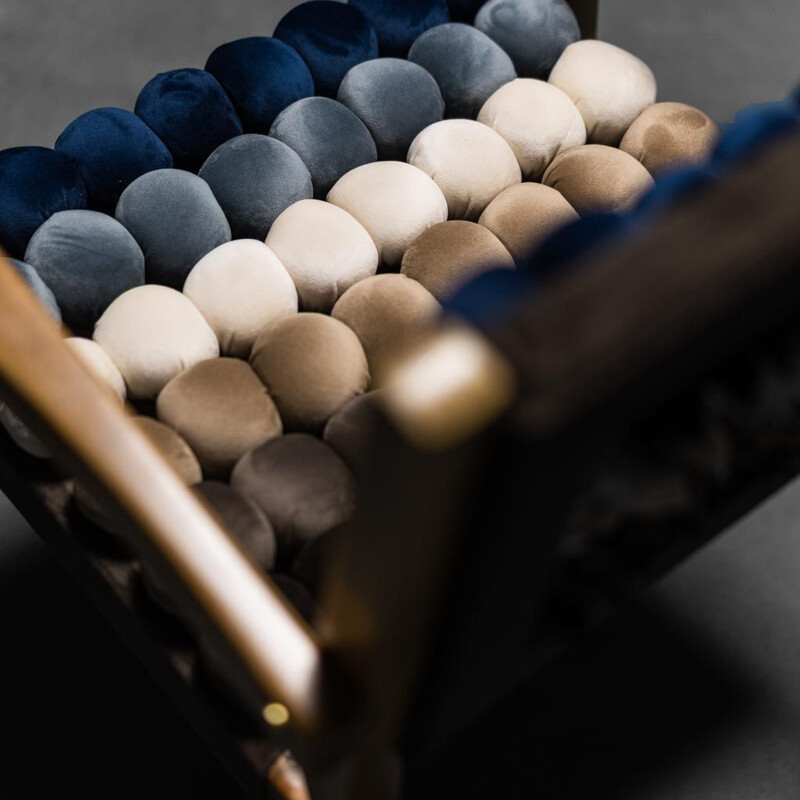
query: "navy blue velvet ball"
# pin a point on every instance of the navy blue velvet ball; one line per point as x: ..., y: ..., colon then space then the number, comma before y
x: 490, y: 296
x: 38, y: 287
x: 262, y: 76
x: 399, y: 22
x: 674, y: 185
x: 329, y: 138
x: 754, y: 127
x: 464, y: 10
x: 35, y: 183
x: 112, y: 148
x: 190, y: 113
x: 331, y: 37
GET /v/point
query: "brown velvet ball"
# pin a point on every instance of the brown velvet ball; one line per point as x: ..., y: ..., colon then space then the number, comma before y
x: 311, y: 365
x: 523, y: 216
x: 449, y: 254
x: 222, y: 410
x: 349, y: 431
x: 598, y: 178
x: 390, y: 314
x: 302, y: 486
x: 668, y: 135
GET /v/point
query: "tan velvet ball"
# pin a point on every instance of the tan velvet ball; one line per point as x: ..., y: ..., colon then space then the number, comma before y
x: 598, y: 178
x: 450, y: 254
x: 311, y: 365
x: 668, y: 135
x: 390, y: 314
x: 222, y: 410
x: 523, y: 216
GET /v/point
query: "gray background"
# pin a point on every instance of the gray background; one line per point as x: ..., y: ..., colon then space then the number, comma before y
x: 698, y: 684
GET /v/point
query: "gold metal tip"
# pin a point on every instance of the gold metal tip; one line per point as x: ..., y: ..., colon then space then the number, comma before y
x: 288, y: 779
x: 276, y: 715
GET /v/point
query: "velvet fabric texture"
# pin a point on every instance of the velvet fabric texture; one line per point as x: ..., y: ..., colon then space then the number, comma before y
x: 35, y: 183
x: 349, y: 432
x: 324, y: 249
x: 262, y: 76
x: 533, y: 32
x: 596, y: 178
x: 222, y: 410
x: 753, y: 127
x: 99, y: 364
x: 176, y: 220
x: 468, y: 161
x: 490, y: 297
x: 112, y: 148
x: 88, y: 260
x: 468, y: 66
x: 255, y: 178
x: 312, y: 365
x: 464, y: 10
x: 674, y: 185
x: 451, y: 254
x: 329, y: 138
x: 395, y: 99
x: 399, y: 22
x: 390, y: 314
x: 239, y: 288
x: 190, y: 113
x: 21, y: 434
x: 42, y: 291
x: 331, y: 37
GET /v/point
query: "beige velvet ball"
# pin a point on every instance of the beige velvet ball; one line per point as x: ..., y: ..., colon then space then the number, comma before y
x: 99, y: 364
x: 537, y: 120
x: 311, y: 365
x: 324, y: 249
x: 394, y: 201
x: 239, y: 287
x: 598, y: 178
x: 610, y: 87
x: 469, y: 162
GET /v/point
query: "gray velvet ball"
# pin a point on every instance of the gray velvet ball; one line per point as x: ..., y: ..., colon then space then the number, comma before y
x: 329, y: 138
x: 533, y: 32
x: 468, y: 66
x: 254, y: 179
x: 42, y: 291
x: 395, y: 99
x: 176, y: 220
x: 87, y: 259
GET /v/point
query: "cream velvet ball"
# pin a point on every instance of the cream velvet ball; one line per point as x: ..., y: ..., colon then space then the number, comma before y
x: 610, y: 87
x: 394, y: 201
x: 152, y: 333
x: 98, y: 363
x: 469, y: 162
x: 324, y: 249
x: 537, y: 120
x: 240, y: 287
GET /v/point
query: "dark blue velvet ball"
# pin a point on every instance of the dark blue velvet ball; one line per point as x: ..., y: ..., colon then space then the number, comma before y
x: 674, y: 185
x: 399, y: 22
x: 190, y: 113
x: 490, y: 296
x: 331, y: 37
x: 754, y: 127
x: 38, y: 287
x: 464, y: 10
x: 35, y: 183
x: 262, y: 76
x: 112, y: 148
x: 795, y: 96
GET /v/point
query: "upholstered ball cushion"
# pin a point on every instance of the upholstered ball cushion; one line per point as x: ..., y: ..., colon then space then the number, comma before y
x: 395, y: 202
x: 399, y: 22
x: 88, y: 260
x: 42, y: 291
x: 311, y: 365
x: 190, y: 113
x: 331, y: 37
x: 533, y: 32
x: 610, y: 87
x: 349, y: 431
x: 469, y: 162
x: 390, y: 314
x: 395, y: 99
x: 35, y: 183
x: 468, y: 66
x: 222, y: 410
x: 262, y: 76
x: 324, y: 249
x: 176, y: 220
x: 598, y: 178
x: 537, y: 120
x: 239, y: 288
x: 22, y: 436
x: 523, y: 215
x: 329, y: 138
x: 152, y: 333
x: 112, y: 148
x: 254, y: 178
x: 99, y: 364
x: 301, y: 484
x: 669, y: 135
x: 450, y: 254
